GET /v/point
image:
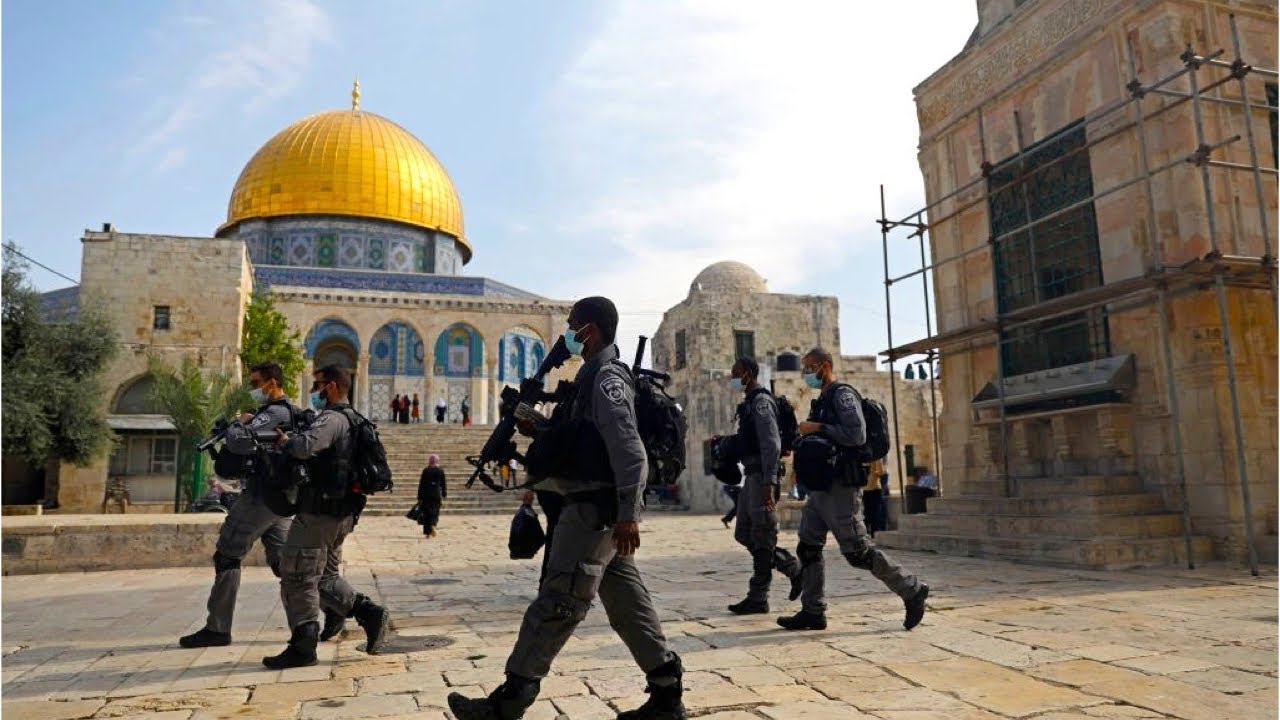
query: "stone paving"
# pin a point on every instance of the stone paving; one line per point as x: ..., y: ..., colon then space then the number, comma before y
x: 1001, y: 640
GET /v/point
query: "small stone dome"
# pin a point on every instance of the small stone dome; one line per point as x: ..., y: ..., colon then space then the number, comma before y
x: 728, y: 276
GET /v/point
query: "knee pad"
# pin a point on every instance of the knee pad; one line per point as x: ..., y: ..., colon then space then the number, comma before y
x: 567, y: 607
x: 861, y: 558
x: 809, y: 554
x: 222, y: 563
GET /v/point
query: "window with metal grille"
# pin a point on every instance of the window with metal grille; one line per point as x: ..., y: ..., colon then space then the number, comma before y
x: 744, y: 344
x: 681, y: 357
x: 1049, y: 181
x: 161, y: 320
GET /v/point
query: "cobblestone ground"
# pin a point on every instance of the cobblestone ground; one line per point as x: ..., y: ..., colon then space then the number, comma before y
x: 1001, y: 640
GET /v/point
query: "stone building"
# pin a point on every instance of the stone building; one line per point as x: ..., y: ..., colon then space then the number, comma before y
x: 1098, y: 306
x: 356, y: 228
x: 730, y: 313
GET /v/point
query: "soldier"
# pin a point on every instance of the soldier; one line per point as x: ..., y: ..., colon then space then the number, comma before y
x: 837, y: 414
x: 593, y: 546
x: 250, y: 518
x: 759, y: 447
x: 327, y: 513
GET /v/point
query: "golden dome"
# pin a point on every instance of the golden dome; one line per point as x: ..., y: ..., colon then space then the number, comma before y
x: 353, y: 163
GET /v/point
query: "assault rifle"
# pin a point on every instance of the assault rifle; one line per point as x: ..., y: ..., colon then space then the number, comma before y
x: 500, y: 448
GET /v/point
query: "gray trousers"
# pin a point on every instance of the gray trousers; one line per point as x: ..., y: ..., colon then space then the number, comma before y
x: 582, y: 564
x: 840, y: 511
x: 248, y: 521
x: 757, y: 531
x: 310, y: 565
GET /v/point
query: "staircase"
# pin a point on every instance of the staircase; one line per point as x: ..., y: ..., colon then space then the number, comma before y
x: 1095, y: 522
x: 407, y: 449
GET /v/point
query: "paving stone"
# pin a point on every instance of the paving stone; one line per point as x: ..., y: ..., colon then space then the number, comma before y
x: 1226, y: 680
x: 584, y: 707
x: 371, y: 666
x: 965, y: 713
x: 257, y: 711
x: 1110, y: 653
x: 199, y: 700
x: 813, y: 711
x: 1180, y: 700
x: 170, y: 715
x: 368, y: 706
x: 45, y: 710
x: 751, y: 677
x: 277, y: 693
x: 406, y: 682
x: 1079, y: 673
x: 991, y: 686
x: 1165, y: 664
x: 438, y: 697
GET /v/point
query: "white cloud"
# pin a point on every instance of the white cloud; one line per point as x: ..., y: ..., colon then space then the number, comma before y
x: 700, y: 131
x: 261, y: 52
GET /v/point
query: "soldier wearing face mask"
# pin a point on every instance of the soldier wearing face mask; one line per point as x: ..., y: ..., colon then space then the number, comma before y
x: 592, y: 551
x: 250, y: 518
x: 759, y: 448
x: 836, y: 505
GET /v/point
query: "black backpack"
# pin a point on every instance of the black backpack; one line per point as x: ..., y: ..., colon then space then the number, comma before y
x: 662, y: 427
x: 876, y: 421
x: 369, y: 470
x: 788, y: 425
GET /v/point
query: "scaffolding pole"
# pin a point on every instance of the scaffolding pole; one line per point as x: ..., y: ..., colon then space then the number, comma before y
x: 1163, y: 281
x: 1194, y: 62
x: 893, y: 374
x: 921, y: 229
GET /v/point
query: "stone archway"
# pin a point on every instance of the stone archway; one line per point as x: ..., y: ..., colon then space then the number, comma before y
x: 458, y: 369
x: 396, y: 366
x: 332, y: 342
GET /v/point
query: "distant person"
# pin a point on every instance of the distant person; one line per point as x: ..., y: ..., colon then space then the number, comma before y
x: 404, y: 410
x: 395, y: 408
x: 431, y: 493
x: 415, y: 416
x: 466, y: 410
x: 441, y: 408
x: 874, y: 507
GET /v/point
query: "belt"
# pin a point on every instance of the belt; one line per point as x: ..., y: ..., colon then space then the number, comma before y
x: 602, y: 496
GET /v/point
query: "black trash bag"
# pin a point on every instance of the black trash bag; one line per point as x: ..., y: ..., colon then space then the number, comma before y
x: 527, y: 537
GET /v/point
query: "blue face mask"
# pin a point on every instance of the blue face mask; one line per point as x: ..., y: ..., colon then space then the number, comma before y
x: 317, y: 400
x: 258, y: 395
x: 572, y: 343
x: 737, y: 384
x: 812, y: 380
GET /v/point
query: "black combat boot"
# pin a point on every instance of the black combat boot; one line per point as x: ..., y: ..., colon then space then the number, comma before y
x: 301, y: 650
x: 334, y: 624
x: 750, y: 607
x: 373, y: 619
x: 204, y: 637
x: 803, y: 621
x: 915, y: 607
x: 507, y: 702
x: 665, y: 701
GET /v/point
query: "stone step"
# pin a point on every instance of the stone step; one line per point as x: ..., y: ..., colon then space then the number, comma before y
x: 1037, y: 526
x: 1098, y: 553
x: 1136, y: 504
x: 1058, y: 486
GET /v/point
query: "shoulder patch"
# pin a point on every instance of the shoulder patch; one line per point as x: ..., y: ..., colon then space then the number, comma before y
x: 846, y: 400
x: 615, y: 389
x: 762, y: 406
x: 260, y: 419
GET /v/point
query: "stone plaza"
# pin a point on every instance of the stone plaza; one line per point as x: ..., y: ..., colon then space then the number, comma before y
x: 1001, y: 640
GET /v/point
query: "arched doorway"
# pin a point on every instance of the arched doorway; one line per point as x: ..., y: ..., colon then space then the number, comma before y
x: 397, y: 366
x: 459, y: 370
x: 146, y: 456
x: 332, y: 342
x: 521, y: 351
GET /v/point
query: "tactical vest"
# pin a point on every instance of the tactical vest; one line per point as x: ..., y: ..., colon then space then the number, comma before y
x: 330, y: 470
x: 747, y: 441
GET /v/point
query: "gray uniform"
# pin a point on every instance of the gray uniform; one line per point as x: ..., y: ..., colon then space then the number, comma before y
x: 839, y: 510
x: 312, y: 555
x: 582, y: 561
x: 248, y: 521
x: 757, y: 528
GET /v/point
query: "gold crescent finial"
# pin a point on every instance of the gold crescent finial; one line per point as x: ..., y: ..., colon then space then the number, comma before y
x: 355, y: 95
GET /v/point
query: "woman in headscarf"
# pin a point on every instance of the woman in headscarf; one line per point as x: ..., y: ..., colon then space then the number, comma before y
x: 431, y: 491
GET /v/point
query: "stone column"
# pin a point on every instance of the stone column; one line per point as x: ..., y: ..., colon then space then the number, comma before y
x: 304, y: 385
x: 492, y: 384
x: 362, y: 384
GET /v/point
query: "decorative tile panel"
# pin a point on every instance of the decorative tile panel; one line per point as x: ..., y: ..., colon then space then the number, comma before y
x: 301, y: 251
x: 400, y: 256
x: 326, y: 250
x: 352, y: 254
x: 377, y: 255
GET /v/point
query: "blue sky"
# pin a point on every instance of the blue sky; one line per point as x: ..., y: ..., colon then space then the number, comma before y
x: 598, y: 147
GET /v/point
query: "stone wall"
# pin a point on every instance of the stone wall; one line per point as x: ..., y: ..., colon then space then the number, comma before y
x: 85, y: 543
x: 781, y: 323
x: 206, y: 285
x: 1048, y: 65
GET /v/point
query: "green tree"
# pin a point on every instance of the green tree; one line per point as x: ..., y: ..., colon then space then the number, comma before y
x: 53, y: 373
x: 267, y: 336
x: 194, y: 400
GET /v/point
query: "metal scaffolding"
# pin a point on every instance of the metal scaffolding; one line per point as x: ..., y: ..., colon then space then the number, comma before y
x: 1160, y: 281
